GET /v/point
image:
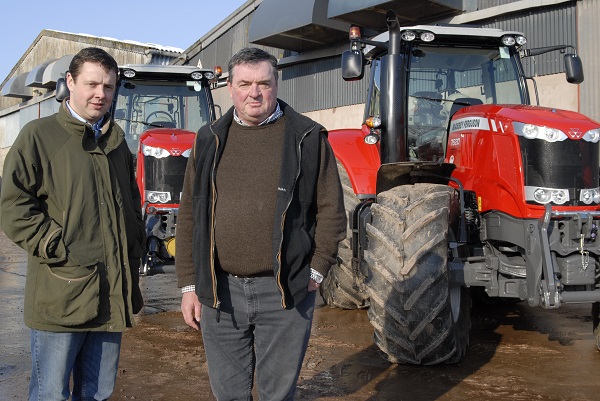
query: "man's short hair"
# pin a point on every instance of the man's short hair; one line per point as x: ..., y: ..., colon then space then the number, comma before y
x: 252, y: 55
x: 92, y: 55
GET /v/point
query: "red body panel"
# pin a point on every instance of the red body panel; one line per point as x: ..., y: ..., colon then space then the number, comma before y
x: 483, y: 146
x: 175, y: 141
x: 360, y: 160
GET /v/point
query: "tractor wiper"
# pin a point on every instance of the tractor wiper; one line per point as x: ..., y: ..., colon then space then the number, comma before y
x: 439, y: 100
x: 142, y: 122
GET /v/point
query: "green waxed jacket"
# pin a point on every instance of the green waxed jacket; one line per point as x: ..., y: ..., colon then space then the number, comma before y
x: 74, y: 206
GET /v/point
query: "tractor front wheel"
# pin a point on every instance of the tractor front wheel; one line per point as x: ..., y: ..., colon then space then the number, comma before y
x: 418, y: 316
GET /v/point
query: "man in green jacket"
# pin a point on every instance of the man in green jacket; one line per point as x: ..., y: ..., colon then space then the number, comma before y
x: 70, y: 199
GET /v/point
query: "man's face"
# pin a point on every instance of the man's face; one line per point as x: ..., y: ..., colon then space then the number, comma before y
x: 92, y: 92
x: 253, y: 91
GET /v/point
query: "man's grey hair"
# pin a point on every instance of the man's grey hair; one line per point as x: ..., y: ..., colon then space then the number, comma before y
x: 252, y: 55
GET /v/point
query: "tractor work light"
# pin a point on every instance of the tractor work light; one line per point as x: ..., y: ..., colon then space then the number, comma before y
x: 151, y: 151
x: 592, y: 135
x: 128, y: 73
x: 373, y: 123
x: 531, y: 131
x: 157, y: 197
x: 196, y: 75
x: 589, y: 196
x: 546, y: 195
x: 508, y: 40
x: 209, y: 75
x: 354, y: 33
x: 408, y: 36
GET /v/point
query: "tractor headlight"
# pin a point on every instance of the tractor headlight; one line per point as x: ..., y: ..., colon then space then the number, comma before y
x: 409, y: 36
x: 427, y: 36
x: 157, y: 197
x: 159, y: 153
x: 187, y: 153
x: 508, y: 40
x: 531, y: 131
x: 546, y: 195
x: 592, y: 135
x: 589, y: 196
x: 521, y: 40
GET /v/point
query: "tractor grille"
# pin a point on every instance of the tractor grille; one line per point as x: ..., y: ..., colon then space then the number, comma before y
x: 567, y: 164
x: 165, y: 175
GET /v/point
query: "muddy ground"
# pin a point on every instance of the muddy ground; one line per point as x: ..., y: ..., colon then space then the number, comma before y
x: 516, y: 353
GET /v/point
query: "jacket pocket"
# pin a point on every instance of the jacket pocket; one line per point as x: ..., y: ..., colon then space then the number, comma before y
x: 68, y: 295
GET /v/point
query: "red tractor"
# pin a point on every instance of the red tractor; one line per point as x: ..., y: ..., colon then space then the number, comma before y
x: 160, y: 108
x: 456, y: 185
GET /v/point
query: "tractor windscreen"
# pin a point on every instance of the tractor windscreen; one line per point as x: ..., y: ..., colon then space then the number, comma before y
x: 142, y: 105
x: 442, y: 80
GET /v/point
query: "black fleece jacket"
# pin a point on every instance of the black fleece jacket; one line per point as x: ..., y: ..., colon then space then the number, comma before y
x: 309, y: 218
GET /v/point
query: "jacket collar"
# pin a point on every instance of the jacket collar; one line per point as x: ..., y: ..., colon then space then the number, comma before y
x: 112, y: 135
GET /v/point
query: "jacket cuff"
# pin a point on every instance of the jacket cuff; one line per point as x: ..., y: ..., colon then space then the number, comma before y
x: 186, y: 281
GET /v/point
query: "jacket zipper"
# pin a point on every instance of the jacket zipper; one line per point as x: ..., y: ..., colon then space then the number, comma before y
x: 216, y: 301
x: 283, y: 303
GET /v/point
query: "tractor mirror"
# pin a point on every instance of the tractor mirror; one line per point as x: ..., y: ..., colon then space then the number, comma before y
x: 352, y: 65
x: 573, y: 68
x: 62, y: 90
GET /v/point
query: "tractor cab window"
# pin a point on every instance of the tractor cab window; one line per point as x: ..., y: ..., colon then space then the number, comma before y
x: 144, y: 105
x: 374, y: 108
x: 441, y: 80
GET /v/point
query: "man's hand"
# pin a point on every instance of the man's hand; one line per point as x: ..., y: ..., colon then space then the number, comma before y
x: 312, y: 285
x: 191, y: 309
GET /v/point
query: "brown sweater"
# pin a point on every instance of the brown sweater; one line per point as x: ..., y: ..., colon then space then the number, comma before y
x: 247, y: 179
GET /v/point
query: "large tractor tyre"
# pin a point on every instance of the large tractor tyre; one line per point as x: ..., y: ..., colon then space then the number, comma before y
x: 418, y: 317
x: 344, y: 288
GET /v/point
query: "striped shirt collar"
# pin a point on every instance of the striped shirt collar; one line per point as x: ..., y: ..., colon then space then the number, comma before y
x: 96, y: 127
x: 272, y: 118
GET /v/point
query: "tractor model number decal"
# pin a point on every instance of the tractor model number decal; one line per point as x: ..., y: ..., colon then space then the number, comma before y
x: 455, y: 142
x: 469, y: 123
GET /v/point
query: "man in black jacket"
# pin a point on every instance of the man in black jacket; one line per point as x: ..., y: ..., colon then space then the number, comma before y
x: 261, y: 216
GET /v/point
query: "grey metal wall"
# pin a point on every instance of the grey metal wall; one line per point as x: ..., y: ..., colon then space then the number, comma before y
x: 218, y: 52
x: 481, y: 4
x: 589, y: 50
x: 318, y: 85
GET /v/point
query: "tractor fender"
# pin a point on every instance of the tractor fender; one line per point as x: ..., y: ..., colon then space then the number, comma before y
x: 360, y: 160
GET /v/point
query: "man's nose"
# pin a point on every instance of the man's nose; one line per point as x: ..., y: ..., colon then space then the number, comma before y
x: 255, y: 90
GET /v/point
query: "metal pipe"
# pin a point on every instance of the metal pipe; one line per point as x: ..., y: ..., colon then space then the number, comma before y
x: 580, y: 296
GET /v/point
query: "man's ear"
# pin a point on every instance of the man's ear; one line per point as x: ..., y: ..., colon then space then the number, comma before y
x: 229, y: 86
x: 70, y: 80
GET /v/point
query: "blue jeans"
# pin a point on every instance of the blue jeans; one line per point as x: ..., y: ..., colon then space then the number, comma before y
x: 92, y: 357
x: 254, y: 332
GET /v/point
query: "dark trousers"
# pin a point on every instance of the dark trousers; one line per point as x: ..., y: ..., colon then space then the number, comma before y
x: 254, y: 333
